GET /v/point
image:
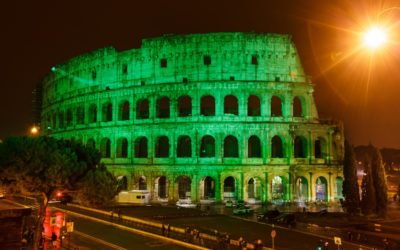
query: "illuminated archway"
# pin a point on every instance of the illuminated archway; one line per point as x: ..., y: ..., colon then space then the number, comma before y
x: 321, y: 189
x: 184, y: 184
x: 302, y: 189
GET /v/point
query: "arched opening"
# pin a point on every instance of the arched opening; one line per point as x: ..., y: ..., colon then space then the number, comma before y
x: 107, y: 112
x: 91, y: 144
x: 276, y: 147
x: 339, y: 188
x: 142, y: 183
x: 69, y: 117
x: 92, y: 113
x: 162, y: 147
x: 229, y: 188
x: 162, y: 109
x: 254, y: 147
x: 80, y: 115
x: 319, y: 148
x: 184, y: 148
x: 276, y: 106
x: 105, y: 148
x: 122, y: 183
x: 141, y: 147
x: 161, y: 187
x: 253, y: 106
x: 184, y: 106
x: 207, y: 106
x: 321, y: 189
x: 302, y: 189
x: 142, y: 109
x: 278, y: 189
x: 300, y: 147
x: 254, y: 190
x: 231, y: 148
x: 297, y: 107
x: 184, y: 187
x: 231, y: 105
x: 123, y: 111
x: 207, y: 146
x: 208, y: 187
x: 122, y: 148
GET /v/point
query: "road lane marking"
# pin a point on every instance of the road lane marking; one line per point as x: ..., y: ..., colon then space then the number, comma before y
x: 99, y: 240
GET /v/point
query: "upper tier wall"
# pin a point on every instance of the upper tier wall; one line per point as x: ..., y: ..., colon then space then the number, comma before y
x: 238, y: 56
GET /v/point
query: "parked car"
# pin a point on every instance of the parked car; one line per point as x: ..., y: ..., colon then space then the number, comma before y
x: 241, y: 210
x: 229, y: 203
x: 285, y: 219
x: 270, y: 214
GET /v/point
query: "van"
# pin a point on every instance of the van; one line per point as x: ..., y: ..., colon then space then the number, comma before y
x: 139, y: 197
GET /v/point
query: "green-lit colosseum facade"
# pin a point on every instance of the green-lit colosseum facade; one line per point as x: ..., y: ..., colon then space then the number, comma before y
x: 205, y: 117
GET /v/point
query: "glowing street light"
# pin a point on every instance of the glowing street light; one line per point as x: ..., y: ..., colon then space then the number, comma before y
x: 375, y: 37
x: 34, y: 130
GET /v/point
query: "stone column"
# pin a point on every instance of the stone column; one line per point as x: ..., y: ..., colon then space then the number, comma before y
x: 311, y: 195
x: 240, y: 186
x: 218, y: 188
x: 266, y: 188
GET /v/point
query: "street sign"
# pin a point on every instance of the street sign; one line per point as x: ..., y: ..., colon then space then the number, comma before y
x: 338, y: 240
x: 273, y: 233
x: 53, y: 221
x: 70, y: 226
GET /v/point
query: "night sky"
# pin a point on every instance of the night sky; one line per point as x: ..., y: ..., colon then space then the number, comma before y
x: 351, y: 84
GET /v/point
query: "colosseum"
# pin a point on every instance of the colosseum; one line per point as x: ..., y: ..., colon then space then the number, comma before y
x: 201, y: 117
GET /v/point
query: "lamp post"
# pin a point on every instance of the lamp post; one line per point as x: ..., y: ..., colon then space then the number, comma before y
x: 34, y: 130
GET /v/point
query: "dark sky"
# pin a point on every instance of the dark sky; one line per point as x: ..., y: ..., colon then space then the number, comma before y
x: 351, y: 84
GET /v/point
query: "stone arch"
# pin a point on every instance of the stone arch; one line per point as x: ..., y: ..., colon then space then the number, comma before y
x: 207, y: 146
x: 184, y: 184
x: 277, y: 149
x: 302, y: 189
x: 107, y: 112
x: 253, y: 106
x: 162, y: 147
x: 279, y: 190
x: 142, y: 109
x: 123, y: 111
x: 339, y: 188
x: 122, y: 148
x: 276, y: 106
x: 254, y: 147
x: 122, y: 183
x: 254, y: 190
x: 320, y: 148
x: 161, y: 187
x: 163, y: 107
x: 80, y: 115
x: 231, y: 147
x: 92, y: 113
x: 69, y: 117
x: 142, y: 183
x: 297, y: 107
x: 207, y: 105
x: 184, y: 147
x: 184, y: 106
x: 230, y: 188
x: 321, y: 189
x: 231, y: 105
x: 300, y: 147
x: 141, y: 147
x: 105, y: 148
x: 207, y: 188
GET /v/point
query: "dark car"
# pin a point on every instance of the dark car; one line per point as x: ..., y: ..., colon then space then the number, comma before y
x: 286, y: 219
x: 267, y: 216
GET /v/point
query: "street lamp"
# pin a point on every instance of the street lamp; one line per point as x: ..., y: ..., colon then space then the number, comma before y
x: 34, y: 130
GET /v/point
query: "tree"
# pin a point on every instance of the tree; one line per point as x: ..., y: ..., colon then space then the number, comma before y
x: 380, y: 185
x: 350, y: 185
x: 368, y: 200
x: 40, y: 166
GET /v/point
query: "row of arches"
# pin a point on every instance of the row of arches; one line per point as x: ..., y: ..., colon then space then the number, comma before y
x: 207, y: 147
x: 253, y: 190
x: 163, y: 109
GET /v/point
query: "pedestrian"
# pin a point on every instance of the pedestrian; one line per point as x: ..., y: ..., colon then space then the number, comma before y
x: 119, y: 214
x: 168, y: 229
x: 54, y: 239
x: 162, y: 230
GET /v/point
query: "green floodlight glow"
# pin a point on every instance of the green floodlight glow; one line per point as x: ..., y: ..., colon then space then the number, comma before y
x: 53, y: 69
